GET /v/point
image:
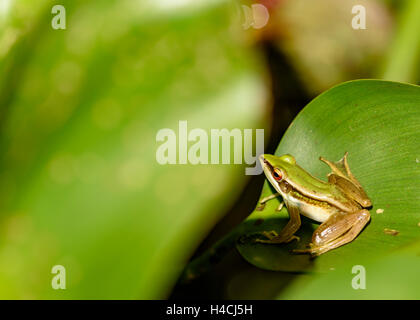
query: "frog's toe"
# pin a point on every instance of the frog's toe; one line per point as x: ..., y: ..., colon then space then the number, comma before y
x: 274, y: 238
x: 314, y: 251
x: 292, y: 238
x: 270, y: 241
x: 301, y: 251
x: 270, y: 234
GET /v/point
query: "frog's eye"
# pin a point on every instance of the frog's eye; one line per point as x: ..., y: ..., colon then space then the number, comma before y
x: 277, y: 174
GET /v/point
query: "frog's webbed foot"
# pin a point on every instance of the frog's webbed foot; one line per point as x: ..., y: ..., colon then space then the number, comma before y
x: 274, y: 238
x: 270, y: 234
x: 313, y: 251
x: 341, y: 168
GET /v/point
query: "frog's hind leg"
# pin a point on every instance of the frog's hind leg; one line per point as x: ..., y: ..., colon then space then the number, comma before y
x: 341, y: 168
x: 350, y: 189
x: 342, y: 177
x: 340, y: 229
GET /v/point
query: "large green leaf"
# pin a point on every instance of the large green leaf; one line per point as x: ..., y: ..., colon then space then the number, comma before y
x: 80, y: 109
x: 378, y: 123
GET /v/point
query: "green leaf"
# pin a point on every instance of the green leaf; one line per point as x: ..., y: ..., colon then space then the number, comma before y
x: 391, y: 276
x: 80, y: 110
x: 378, y: 123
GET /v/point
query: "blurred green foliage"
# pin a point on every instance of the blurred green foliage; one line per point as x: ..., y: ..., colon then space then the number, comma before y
x: 319, y: 41
x: 403, y: 58
x: 80, y: 109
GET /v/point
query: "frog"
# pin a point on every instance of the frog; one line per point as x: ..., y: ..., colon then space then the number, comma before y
x: 339, y: 205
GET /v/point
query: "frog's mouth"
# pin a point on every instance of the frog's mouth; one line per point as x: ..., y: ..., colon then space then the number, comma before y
x: 268, y: 171
x: 267, y: 167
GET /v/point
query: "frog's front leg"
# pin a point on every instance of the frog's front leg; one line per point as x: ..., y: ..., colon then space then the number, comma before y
x: 263, y: 201
x: 268, y: 198
x: 287, y: 234
x: 339, y: 229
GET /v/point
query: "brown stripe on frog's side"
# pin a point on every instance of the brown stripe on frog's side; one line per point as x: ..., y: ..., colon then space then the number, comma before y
x: 287, y: 188
x: 301, y: 197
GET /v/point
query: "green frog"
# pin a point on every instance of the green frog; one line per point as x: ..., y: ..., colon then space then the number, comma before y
x: 339, y: 204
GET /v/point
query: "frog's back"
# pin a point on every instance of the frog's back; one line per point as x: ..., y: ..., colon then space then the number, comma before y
x: 316, y: 189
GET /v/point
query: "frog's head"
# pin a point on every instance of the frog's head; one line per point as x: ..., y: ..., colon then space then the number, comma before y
x: 276, y: 168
